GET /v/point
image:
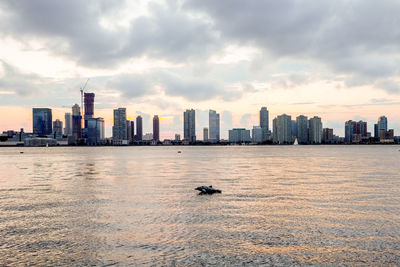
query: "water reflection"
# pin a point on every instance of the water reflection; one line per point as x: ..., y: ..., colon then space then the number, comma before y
x: 280, y: 205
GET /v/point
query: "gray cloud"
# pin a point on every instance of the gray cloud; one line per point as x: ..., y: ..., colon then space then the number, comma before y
x: 72, y: 28
x: 356, y: 38
x: 389, y: 86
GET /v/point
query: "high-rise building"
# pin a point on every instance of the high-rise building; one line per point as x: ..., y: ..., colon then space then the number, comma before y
x: 327, y: 136
x: 264, y: 123
x: 239, y: 135
x: 189, y: 125
x: 120, y: 127
x: 213, y: 126
x: 302, y: 129
x: 95, y: 131
x: 315, y: 130
x: 205, y: 134
x: 382, y: 123
x: 294, y: 128
x: 282, y: 129
x: 76, y: 122
x: 177, y: 137
x: 129, y: 130
x: 139, y: 128
x: 156, y: 128
x: 257, y: 134
x: 68, y: 124
x: 42, y: 121
x: 132, y: 128
x: 57, y: 128
x: 355, y: 131
x: 89, y: 106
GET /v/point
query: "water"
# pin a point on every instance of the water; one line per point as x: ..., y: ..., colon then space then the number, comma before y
x: 286, y: 205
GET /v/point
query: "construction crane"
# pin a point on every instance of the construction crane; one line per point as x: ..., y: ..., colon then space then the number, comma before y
x: 82, y: 90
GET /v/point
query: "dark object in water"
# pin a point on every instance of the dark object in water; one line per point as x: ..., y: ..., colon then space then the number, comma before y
x: 179, y: 151
x: 21, y: 152
x: 207, y: 190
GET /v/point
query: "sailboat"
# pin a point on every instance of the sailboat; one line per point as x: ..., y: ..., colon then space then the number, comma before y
x: 295, y: 142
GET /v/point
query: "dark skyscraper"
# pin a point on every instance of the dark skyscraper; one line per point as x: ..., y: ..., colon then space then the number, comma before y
x: 42, y: 121
x: 76, y: 122
x: 132, y: 128
x: 139, y: 128
x: 89, y: 106
x: 156, y: 128
x: 189, y: 125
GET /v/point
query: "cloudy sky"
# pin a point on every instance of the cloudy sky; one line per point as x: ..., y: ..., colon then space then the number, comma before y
x: 339, y: 60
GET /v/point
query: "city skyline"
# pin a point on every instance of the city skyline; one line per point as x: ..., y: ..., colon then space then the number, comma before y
x: 198, y: 57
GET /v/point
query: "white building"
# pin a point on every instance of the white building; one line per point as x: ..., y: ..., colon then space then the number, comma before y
x: 257, y: 134
x: 213, y: 126
x: 282, y: 129
x: 239, y: 135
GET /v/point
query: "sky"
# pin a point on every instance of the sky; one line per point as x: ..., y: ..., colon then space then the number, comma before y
x: 339, y: 60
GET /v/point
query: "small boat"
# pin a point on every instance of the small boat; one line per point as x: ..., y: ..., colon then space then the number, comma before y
x: 207, y: 190
x: 295, y: 142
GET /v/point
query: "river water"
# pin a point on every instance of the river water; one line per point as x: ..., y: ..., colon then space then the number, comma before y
x: 280, y: 205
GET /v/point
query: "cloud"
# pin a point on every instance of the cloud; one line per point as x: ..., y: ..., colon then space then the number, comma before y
x: 389, y: 86
x: 131, y: 85
x: 355, y: 38
x: 14, y: 81
x: 73, y: 28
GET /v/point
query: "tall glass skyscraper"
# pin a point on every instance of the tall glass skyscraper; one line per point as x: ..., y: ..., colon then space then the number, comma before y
x: 282, y: 129
x: 156, y: 128
x: 120, y: 127
x: 76, y: 122
x: 382, y: 123
x: 139, y: 128
x: 89, y: 106
x: 315, y: 130
x: 264, y: 123
x: 189, y: 125
x: 68, y: 124
x: 302, y: 129
x: 213, y: 126
x: 42, y: 121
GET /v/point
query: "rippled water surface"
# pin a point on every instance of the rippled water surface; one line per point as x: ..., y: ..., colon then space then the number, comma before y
x: 286, y: 205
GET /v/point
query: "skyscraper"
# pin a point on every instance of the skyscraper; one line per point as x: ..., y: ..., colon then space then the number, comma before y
x: 315, y: 130
x: 302, y: 129
x: 57, y: 128
x: 89, y: 106
x: 132, y: 128
x: 213, y: 126
x: 355, y: 131
x: 129, y: 130
x: 257, y: 134
x: 139, y: 128
x: 264, y: 123
x: 95, y: 130
x: 76, y: 122
x: 205, y: 134
x: 156, y: 128
x: 42, y: 121
x: 282, y: 129
x: 189, y: 125
x: 120, y: 127
x: 68, y: 124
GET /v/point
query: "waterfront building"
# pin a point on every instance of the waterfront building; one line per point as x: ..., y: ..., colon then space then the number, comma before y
x: 95, y: 131
x: 148, y: 137
x: 205, y: 134
x: 129, y: 130
x: 132, y: 128
x: 257, y: 134
x: 327, y: 136
x: 355, y: 131
x: 189, y: 125
x: 42, y: 121
x: 294, y: 129
x: 282, y: 129
x: 177, y: 137
x: 315, y: 131
x: 214, y: 126
x: 156, y: 128
x: 57, y: 128
x: 264, y: 124
x: 302, y: 129
x: 76, y: 122
x: 120, y: 127
x: 68, y: 124
x: 382, y: 123
x: 376, y: 130
x: 89, y: 106
x: 139, y: 128
x: 239, y: 135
